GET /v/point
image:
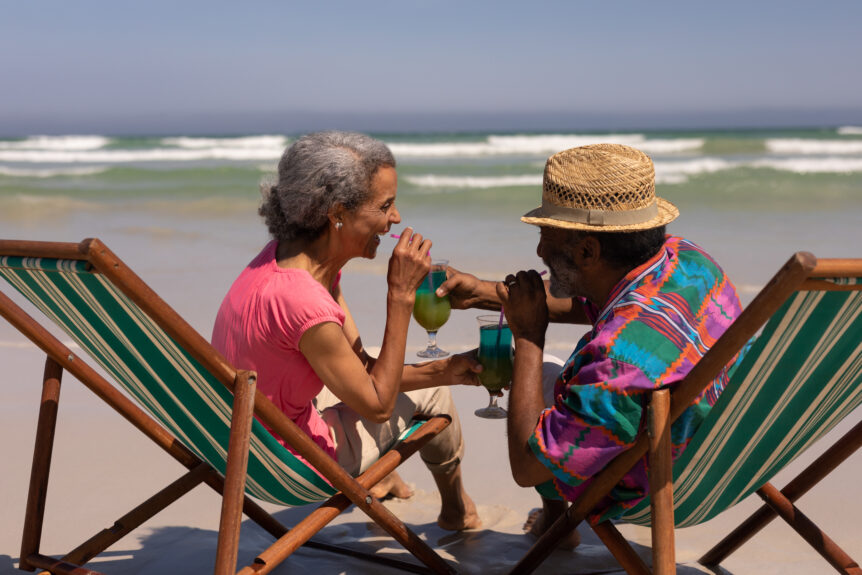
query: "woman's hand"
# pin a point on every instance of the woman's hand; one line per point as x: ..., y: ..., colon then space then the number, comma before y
x: 461, y: 369
x: 408, y: 265
x: 526, y: 306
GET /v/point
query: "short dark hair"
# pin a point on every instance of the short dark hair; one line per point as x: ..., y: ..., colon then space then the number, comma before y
x: 629, y: 249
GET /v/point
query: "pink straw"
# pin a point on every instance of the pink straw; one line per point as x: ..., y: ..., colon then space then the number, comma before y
x: 396, y: 236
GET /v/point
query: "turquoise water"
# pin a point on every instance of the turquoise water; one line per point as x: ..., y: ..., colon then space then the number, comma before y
x: 183, y: 211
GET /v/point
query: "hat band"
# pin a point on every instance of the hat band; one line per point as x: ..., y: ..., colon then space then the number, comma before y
x: 600, y: 217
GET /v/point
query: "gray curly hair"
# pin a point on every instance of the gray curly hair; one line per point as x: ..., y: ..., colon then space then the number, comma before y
x: 315, y: 173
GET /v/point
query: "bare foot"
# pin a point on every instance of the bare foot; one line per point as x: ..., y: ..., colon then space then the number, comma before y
x: 391, y: 485
x: 536, y: 525
x: 457, y: 510
x: 461, y: 518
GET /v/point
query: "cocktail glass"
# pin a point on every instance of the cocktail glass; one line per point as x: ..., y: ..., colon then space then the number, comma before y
x: 430, y: 311
x: 495, y: 355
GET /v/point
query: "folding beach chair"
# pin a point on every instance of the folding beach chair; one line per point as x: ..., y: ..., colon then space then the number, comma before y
x: 200, y: 411
x: 800, y: 377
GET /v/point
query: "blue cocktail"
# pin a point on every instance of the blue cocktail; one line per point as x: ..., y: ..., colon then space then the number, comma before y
x: 495, y: 355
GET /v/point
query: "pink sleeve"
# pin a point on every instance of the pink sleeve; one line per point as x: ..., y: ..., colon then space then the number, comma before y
x: 293, y: 314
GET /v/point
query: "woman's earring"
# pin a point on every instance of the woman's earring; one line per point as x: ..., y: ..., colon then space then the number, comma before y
x: 338, y: 225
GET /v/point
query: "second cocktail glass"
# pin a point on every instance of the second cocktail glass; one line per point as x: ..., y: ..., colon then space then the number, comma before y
x: 495, y: 355
x: 430, y: 311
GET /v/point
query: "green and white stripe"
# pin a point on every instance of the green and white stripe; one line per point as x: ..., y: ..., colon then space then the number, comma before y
x: 170, y: 384
x: 800, y: 378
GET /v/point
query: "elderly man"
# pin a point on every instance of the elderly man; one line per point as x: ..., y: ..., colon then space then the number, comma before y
x: 656, y: 304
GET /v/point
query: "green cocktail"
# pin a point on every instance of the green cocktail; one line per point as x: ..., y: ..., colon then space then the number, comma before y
x: 430, y: 311
x: 495, y: 355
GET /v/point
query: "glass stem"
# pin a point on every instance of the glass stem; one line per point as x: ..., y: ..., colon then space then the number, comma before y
x: 493, y: 402
x: 432, y: 338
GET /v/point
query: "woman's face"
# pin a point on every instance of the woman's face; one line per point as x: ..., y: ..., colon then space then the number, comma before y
x: 362, y: 228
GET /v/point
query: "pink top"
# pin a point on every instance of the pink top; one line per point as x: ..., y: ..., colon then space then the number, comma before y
x: 258, y: 327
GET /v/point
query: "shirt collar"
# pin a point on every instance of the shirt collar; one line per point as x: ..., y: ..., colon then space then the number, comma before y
x: 631, y: 280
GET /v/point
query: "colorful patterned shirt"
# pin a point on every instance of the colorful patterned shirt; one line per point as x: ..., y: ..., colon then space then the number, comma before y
x: 657, y: 323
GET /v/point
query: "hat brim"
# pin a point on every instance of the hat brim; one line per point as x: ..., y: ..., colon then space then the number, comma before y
x: 667, y: 212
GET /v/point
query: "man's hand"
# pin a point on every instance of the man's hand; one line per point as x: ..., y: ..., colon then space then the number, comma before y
x: 466, y: 291
x: 526, y: 306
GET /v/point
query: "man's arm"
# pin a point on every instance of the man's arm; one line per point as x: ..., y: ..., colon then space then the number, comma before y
x: 527, y: 313
x: 466, y: 291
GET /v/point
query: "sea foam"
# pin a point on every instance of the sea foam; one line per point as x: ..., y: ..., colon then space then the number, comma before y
x: 811, y: 165
x: 118, y: 156
x: 538, y: 145
x: 252, y: 142
x: 480, y: 182
x: 666, y: 172
x: 813, y: 147
x: 51, y: 172
x: 57, y: 143
x: 850, y: 131
x: 678, y: 172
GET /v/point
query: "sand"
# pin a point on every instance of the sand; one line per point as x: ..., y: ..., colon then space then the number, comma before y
x: 102, y: 467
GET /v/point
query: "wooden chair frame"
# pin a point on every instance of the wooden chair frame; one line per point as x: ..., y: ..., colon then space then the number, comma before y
x: 248, y: 402
x: 799, y: 273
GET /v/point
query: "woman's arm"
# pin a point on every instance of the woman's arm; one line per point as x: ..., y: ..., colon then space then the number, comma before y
x: 334, y: 357
x: 458, y: 369
x: 351, y: 332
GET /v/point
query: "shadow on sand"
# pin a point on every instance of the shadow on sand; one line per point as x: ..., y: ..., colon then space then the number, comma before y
x: 492, y: 550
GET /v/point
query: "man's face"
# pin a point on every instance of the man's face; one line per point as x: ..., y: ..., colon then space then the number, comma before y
x: 557, y: 248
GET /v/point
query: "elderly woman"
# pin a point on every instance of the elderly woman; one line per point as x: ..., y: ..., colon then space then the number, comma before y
x: 286, y: 317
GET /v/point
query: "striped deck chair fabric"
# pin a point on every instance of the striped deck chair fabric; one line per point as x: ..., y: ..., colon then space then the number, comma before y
x: 801, y: 376
x: 169, y: 383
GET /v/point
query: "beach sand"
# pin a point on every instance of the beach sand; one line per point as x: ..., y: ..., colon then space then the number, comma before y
x: 102, y: 467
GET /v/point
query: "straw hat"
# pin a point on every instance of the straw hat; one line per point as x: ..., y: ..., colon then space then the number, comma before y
x: 603, y: 188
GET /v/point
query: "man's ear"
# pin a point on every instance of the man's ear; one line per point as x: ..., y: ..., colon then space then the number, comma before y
x: 590, y: 251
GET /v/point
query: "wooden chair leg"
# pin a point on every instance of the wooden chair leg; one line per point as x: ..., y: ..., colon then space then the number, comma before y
x: 288, y: 540
x: 59, y: 567
x: 235, y: 473
x: 549, y: 541
x: 41, y: 467
x: 821, y: 542
x: 299, y: 535
x: 137, y: 516
x: 799, y: 486
x: 620, y: 549
x: 661, y: 483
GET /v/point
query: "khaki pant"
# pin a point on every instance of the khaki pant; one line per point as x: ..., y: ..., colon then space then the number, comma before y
x: 359, y: 443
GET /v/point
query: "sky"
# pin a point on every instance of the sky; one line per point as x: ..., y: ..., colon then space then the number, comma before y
x: 214, y: 66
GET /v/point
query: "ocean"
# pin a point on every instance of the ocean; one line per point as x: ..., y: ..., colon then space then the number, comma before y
x: 182, y: 210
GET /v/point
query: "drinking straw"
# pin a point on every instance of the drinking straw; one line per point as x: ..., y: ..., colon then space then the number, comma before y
x: 396, y: 236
